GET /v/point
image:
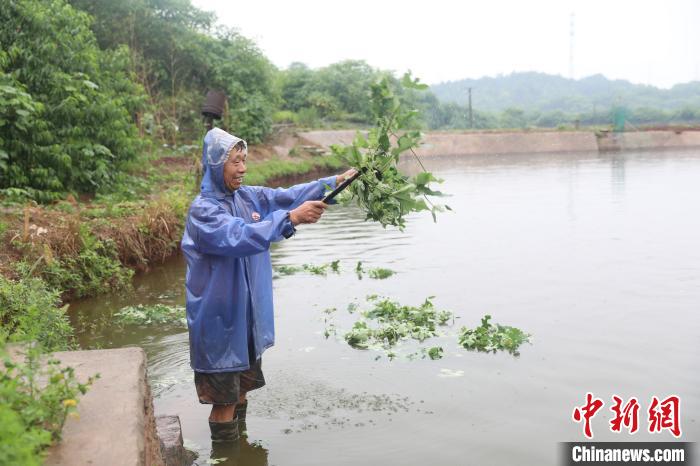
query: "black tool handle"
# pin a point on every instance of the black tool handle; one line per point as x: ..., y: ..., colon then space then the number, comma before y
x: 329, y: 197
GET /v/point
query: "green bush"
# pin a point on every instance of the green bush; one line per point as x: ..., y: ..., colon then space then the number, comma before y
x: 95, y: 270
x: 29, y: 311
x: 19, y: 444
x: 284, y: 116
x: 308, y: 117
x: 65, y: 106
x: 36, y: 397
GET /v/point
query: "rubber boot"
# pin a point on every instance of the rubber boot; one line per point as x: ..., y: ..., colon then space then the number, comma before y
x: 222, y: 432
x: 241, y: 409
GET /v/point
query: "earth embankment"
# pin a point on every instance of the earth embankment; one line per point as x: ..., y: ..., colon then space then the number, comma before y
x: 529, y: 142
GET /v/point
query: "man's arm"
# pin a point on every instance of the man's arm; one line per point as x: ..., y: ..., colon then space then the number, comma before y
x: 293, y: 197
x: 214, y: 231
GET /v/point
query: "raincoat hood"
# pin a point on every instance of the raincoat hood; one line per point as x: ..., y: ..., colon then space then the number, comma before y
x: 217, y: 145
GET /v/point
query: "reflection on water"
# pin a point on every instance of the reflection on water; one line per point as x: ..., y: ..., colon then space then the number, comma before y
x: 240, y: 453
x: 595, y: 255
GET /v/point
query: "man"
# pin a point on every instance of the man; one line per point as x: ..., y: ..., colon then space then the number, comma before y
x: 226, y: 244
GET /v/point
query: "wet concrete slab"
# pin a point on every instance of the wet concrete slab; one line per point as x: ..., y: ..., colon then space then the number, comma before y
x: 116, y: 425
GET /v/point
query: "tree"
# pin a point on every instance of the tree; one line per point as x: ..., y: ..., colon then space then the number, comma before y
x: 296, y: 84
x: 65, y: 111
x: 178, y: 54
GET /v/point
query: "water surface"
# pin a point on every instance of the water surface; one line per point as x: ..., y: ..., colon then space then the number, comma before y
x: 595, y: 255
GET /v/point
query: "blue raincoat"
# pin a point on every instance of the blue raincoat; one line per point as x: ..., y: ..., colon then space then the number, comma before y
x: 229, y: 274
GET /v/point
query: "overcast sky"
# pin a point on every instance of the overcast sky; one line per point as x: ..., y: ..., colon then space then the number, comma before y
x: 643, y: 41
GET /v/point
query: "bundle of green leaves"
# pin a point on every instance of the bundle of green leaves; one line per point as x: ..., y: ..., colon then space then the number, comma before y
x: 489, y: 337
x: 385, y: 194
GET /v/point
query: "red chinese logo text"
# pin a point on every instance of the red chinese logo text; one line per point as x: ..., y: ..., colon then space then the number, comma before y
x: 665, y: 414
x: 586, y: 412
x: 627, y: 416
x: 662, y: 414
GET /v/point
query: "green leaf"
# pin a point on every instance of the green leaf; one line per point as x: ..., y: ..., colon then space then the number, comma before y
x: 90, y: 84
x: 424, y: 178
x: 488, y: 337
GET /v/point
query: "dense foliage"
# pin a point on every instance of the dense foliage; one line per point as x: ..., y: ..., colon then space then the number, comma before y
x: 385, y: 194
x: 30, y: 311
x: 177, y: 54
x: 77, y: 90
x: 65, y: 106
x: 335, y: 92
x: 88, y: 268
x: 35, y: 396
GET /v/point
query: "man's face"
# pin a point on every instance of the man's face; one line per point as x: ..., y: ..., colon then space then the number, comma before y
x: 234, y: 169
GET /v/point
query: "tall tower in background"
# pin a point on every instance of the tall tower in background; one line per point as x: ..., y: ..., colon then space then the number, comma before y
x: 572, y: 20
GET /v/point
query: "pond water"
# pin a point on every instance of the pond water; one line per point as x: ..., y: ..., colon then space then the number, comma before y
x: 594, y: 255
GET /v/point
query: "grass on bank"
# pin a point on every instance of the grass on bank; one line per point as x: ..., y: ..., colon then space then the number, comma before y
x: 36, y: 395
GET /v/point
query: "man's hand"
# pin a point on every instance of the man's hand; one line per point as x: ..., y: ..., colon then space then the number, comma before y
x: 308, y: 212
x: 348, y: 174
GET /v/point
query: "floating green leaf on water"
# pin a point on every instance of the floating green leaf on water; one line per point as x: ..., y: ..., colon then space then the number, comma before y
x: 287, y: 269
x: 309, y: 268
x: 358, y: 270
x: 425, y: 315
x: 393, y: 322
x: 489, y: 337
x: 151, y: 314
x: 377, y: 273
x: 359, y: 336
x: 316, y: 269
x: 435, y: 352
x: 330, y: 330
x: 380, y: 273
